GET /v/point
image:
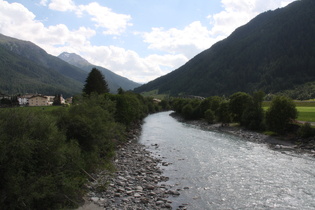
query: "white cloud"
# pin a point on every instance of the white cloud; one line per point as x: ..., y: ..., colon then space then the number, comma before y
x: 129, y: 64
x: 62, y: 5
x: 43, y: 2
x: 17, y: 21
x: 189, y: 41
x: 179, y: 45
x: 238, y: 12
x: 104, y: 17
x: 196, y: 37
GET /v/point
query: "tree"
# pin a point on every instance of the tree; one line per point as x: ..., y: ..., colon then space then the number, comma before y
x: 281, y: 112
x: 57, y: 100
x: 238, y: 103
x: 223, y: 113
x: 212, y: 102
x: 209, y: 116
x: 188, y: 111
x: 253, y: 115
x: 95, y: 82
x: 120, y: 91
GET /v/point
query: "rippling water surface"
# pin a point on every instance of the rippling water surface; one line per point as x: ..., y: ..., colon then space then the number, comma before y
x: 225, y: 172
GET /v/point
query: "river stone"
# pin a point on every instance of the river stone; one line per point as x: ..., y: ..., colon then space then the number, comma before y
x: 137, y: 195
x: 159, y: 203
x: 94, y: 199
x: 150, y: 187
x: 139, y: 189
x: 134, y: 185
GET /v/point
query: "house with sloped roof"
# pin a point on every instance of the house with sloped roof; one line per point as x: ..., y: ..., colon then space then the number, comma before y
x: 23, y: 99
x: 39, y: 100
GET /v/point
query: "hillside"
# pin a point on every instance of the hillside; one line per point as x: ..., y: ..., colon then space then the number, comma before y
x: 32, y: 52
x: 25, y: 68
x: 274, y: 52
x: 114, y: 81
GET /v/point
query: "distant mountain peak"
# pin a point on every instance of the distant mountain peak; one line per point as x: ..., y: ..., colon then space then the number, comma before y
x: 74, y: 59
x: 114, y: 81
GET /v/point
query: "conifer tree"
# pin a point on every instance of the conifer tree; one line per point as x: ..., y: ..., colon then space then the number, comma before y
x: 57, y: 100
x: 95, y: 82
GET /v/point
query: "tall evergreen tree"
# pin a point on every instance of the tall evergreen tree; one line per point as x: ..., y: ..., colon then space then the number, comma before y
x: 95, y: 82
x: 57, y: 100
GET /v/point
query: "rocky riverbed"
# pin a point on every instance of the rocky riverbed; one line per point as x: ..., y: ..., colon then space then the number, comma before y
x: 135, y: 184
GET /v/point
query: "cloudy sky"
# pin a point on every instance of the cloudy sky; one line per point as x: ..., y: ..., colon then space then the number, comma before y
x: 137, y: 39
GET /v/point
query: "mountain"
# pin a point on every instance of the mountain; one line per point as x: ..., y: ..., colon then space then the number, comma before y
x: 26, y: 68
x: 274, y: 52
x: 32, y: 52
x: 114, y: 81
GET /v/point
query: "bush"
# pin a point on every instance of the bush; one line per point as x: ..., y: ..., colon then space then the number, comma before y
x: 93, y: 126
x: 44, y: 156
x: 306, y: 130
x: 131, y: 107
x: 188, y: 112
x: 253, y: 117
x: 209, y: 116
x: 223, y: 113
x: 280, y: 114
x: 238, y: 103
x: 38, y: 168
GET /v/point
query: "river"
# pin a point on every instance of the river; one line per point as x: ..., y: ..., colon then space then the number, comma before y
x: 216, y: 170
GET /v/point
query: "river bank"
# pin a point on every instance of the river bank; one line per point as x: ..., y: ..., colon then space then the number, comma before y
x: 276, y: 143
x: 135, y: 183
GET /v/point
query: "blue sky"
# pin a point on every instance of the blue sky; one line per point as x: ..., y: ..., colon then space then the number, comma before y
x: 137, y: 39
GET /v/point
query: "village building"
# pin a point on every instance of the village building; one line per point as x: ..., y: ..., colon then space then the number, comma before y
x: 39, y: 100
x: 68, y: 100
x: 23, y: 99
x: 4, y: 96
x: 36, y: 99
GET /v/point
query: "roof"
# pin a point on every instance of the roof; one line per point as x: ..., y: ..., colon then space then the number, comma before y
x: 42, y: 96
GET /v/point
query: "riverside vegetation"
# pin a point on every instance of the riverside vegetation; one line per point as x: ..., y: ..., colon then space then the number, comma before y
x: 46, y: 157
x: 278, y: 119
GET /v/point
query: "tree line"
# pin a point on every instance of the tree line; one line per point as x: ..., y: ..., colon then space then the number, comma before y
x: 46, y: 157
x: 245, y: 109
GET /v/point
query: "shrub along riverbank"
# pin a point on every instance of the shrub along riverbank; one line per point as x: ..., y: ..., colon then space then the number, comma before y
x: 250, y: 112
x: 46, y: 157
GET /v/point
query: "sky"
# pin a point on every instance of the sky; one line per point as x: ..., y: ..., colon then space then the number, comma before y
x: 138, y: 39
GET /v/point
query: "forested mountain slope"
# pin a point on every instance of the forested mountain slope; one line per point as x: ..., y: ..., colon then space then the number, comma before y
x: 23, y: 71
x: 32, y: 52
x: 114, y: 81
x: 274, y: 52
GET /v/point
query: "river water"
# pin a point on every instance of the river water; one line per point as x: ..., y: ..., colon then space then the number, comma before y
x: 220, y: 171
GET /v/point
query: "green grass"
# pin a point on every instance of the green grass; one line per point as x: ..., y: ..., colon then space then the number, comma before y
x: 154, y: 94
x: 306, y: 113
x: 306, y: 110
x: 37, y: 108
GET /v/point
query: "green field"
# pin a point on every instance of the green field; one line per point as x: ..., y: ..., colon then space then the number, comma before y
x: 306, y: 110
x: 306, y: 113
x: 154, y: 94
x: 37, y: 108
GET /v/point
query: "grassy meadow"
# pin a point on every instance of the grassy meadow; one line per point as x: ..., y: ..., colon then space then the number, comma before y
x: 154, y: 94
x: 306, y: 110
